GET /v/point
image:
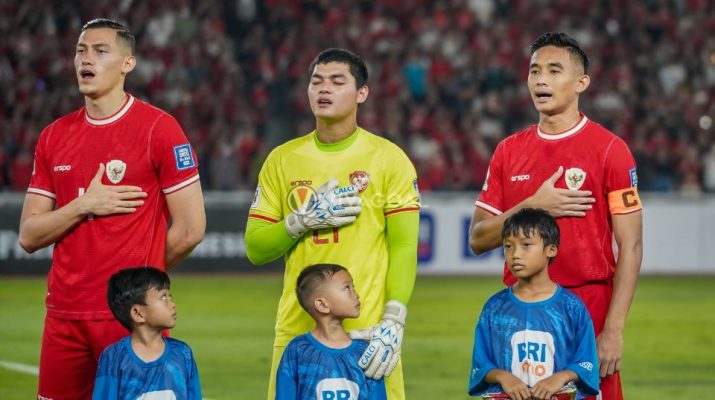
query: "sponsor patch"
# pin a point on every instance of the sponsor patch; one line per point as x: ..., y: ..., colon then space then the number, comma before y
x: 115, y: 171
x: 184, y: 157
x: 417, y: 191
x: 634, y: 177
x: 256, y: 198
x: 574, y: 177
x: 486, y: 186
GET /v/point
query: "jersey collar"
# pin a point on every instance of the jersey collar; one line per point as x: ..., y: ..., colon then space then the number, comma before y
x: 562, y: 135
x: 339, y: 146
x: 119, y: 114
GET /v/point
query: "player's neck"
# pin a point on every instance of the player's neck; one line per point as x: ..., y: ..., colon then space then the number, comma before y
x: 538, y: 287
x: 148, y: 343
x: 330, y: 332
x: 333, y: 132
x: 107, y: 105
x: 561, y: 122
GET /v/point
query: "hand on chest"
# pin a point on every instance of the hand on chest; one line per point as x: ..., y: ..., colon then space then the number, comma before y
x: 122, y: 166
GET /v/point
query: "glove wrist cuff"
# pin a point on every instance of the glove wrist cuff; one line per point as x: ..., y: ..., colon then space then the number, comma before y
x: 396, y: 311
x: 294, y: 227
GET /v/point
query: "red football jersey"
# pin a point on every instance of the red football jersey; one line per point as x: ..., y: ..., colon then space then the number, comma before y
x: 140, y: 145
x: 593, y: 159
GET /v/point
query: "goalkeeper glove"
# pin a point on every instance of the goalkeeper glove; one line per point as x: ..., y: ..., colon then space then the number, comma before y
x: 383, y: 351
x: 329, y: 207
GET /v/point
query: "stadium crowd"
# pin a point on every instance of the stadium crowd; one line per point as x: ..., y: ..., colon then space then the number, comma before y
x: 448, y: 78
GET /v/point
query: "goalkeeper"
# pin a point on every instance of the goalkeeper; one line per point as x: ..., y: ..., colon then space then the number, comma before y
x: 341, y: 195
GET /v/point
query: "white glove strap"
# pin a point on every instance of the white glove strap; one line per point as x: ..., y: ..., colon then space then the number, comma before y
x: 395, y: 311
x: 294, y: 226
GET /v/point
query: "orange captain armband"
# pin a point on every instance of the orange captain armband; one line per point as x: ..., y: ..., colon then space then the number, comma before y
x: 624, y: 201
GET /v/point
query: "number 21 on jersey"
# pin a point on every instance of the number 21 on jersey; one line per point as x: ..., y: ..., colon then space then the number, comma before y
x: 325, y: 239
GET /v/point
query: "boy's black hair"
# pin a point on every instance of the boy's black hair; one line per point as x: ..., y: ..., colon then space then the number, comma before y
x: 358, y: 68
x: 530, y: 221
x: 562, y: 40
x: 310, y: 279
x: 129, y: 287
x: 123, y: 31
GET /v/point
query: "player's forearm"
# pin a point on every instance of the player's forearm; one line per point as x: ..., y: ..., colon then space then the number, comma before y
x: 485, y: 235
x: 188, y: 223
x: 496, y: 375
x: 41, y: 230
x: 180, y: 242
x: 624, y: 284
x: 266, y: 241
x: 565, y: 376
x: 485, y: 231
x: 402, y: 237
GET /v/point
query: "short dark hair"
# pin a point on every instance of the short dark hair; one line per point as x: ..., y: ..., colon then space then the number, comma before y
x: 310, y: 279
x: 529, y: 221
x: 358, y: 68
x: 129, y: 287
x: 564, y: 41
x: 123, y: 31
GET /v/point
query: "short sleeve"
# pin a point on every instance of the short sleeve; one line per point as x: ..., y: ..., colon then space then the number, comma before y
x: 492, y: 196
x: 400, y: 188
x: 378, y: 391
x: 172, y: 155
x: 287, y: 375
x: 621, y: 179
x: 106, y: 384
x: 585, y: 357
x: 41, y: 180
x: 267, y: 204
x: 619, y: 168
x: 193, y: 384
x: 482, y: 359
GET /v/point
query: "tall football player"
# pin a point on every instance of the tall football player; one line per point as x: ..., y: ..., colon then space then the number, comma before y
x: 585, y: 176
x: 341, y: 195
x: 107, y: 178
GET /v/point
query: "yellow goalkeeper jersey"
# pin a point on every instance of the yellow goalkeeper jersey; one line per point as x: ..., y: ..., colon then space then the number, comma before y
x: 387, y: 182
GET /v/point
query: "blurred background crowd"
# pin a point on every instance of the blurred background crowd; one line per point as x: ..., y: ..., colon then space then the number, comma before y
x: 448, y: 78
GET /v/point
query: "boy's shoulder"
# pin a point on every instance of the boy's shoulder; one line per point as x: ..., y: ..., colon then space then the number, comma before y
x: 299, y: 341
x: 180, y: 347
x: 571, y: 300
x: 498, y: 298
x: 306, y: 341
x: 174, y: 342
x: 120, y: 346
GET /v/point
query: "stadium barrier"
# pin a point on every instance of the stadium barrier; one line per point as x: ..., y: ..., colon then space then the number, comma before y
x: 679, y: 237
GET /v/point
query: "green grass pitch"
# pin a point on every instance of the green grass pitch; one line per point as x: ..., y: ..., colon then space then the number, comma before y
x: 228, y: 321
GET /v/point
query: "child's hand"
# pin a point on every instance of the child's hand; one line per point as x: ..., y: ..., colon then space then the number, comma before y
x: 544, y: 389
x: 514, y: 387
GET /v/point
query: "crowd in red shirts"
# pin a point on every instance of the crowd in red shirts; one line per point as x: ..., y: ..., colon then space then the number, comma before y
x: 448, y: 78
